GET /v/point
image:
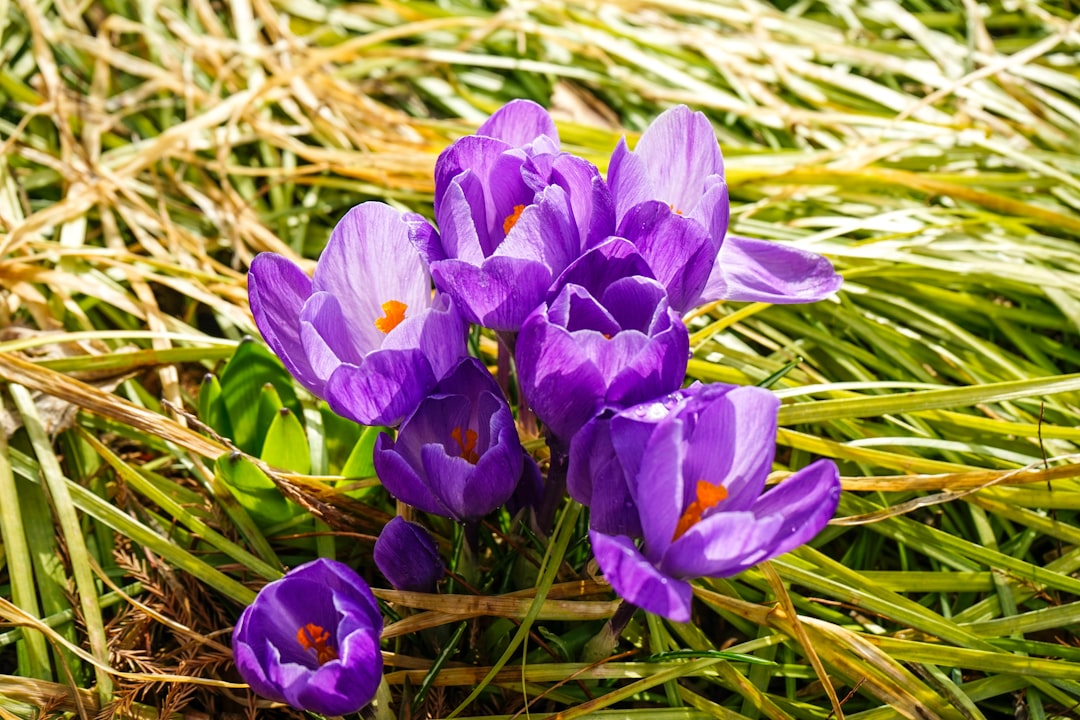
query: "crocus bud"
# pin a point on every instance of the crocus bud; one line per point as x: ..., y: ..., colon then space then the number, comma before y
x: 311, y: 639
x: 458, y: 455
x: 407, y: 556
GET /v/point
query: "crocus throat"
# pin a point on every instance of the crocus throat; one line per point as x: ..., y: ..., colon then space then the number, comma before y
x: 394, y: 313
x: 512, y: 218
x: 707, y: 496
x: 314, y: 637
x: 467, y: 445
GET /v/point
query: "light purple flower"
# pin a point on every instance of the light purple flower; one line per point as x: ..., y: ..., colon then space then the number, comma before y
x: 311, y: 639
x: 407, y: 556
x: 458, y: 455
x: 671, y: 201
x: 365, y: 333
x: 606, y: 337
x: 513, y: 212
x: 677, y: 162
x: 695, y: 465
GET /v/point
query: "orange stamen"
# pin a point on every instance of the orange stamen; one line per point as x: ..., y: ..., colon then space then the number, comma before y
x: 707, y: 496
x: 512, y: 218
x: 468, y: 445
x: 314, y: 637
x: 674, y: 209
x: 394, y: 312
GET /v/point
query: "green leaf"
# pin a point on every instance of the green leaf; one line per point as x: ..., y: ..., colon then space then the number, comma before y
x: 254, y: 490
x: 286, y: 445
x: 212, y: 406
x: 251, y: 368
x: 340, y: 436
x: 359, y: 464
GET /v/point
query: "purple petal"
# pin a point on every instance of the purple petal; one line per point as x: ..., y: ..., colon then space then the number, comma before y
x: 562, y: 387
x: 806, y: 501
x: 384, y: 390
x: 407, y: 556
x: 680, y: 151
x: 346, y: 686
x: 368, y: 262
x: 596, y: 479
x: 591, y: 204
x: 520, y: 123
x: 277, y: 291
x: 679, y: 250
x: 499, y: 294
x: 597, y: 268
x: 637, y: 581
x: 507, y: 191
x: 424, y: 237
x: 657, y: 369
x: 473, y: 153
x: 438, y: 332
x: 462, y: 217
x: 629, y: 180
x: 545, y: 232
x: 721, y: 545
x: 658, y: 486
x: 714, y: 209
x: 637, y: 303
x: 613, y: 355
x: 577, y: 310
x: 401, y: 480
x: 327, y: 337
x: 341, y: 578
x: 732, y: 443
x: 761, y: 271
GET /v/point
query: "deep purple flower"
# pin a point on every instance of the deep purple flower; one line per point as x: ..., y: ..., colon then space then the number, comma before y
x: 407, y: 556
x: 695, y: 465
x: 311, y: 639
x: 458, y: 455
x: 513, y: 212
x: 671, y: 201
x: 365, y: 333
x: 606, y: 337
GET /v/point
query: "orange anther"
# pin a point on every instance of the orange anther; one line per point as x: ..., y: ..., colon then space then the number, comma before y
x: 394, y: 313
x: 314, y: 637
x: 512, y: 218
x: 467, y: 445
x: 707, y: 496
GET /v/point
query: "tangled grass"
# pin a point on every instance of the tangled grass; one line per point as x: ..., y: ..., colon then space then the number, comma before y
x: 148, y: 150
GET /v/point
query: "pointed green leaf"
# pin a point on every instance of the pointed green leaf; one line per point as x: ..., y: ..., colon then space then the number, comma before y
x: 286, y: 444
x: 359, y: 463
x: 251, y: 368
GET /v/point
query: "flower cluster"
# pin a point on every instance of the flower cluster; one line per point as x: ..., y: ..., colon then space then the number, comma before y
x: 584, y: 281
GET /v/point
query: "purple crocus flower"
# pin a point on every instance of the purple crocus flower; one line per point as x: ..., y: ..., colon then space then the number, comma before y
x: 407, y: 556
x: 458, y: 455
x: 311, y: 639
x: 695, y: 465
x: 671, y: 201
x: 606, y: 337
x: 365, y: 333
x: 513, y: 212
